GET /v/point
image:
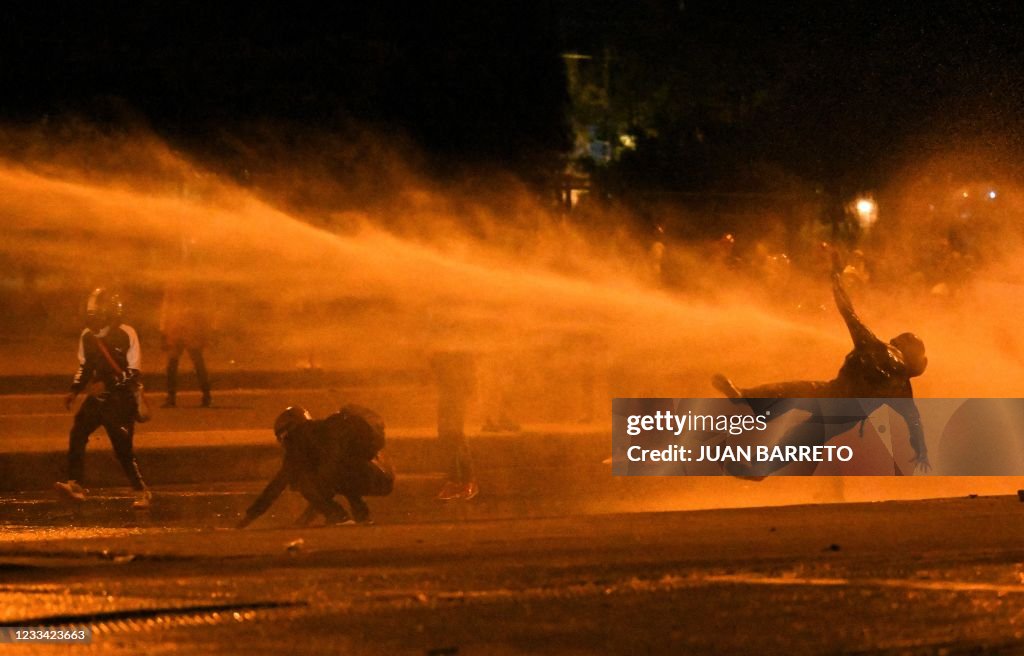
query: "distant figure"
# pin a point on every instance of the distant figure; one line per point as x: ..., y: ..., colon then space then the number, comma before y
x: 875, y: 372
x: 109, y: 358
x: 656, y: 253
x: 497, y: 379
x: 340, y: 454
x: 723, y: 252
x: 455, y: 375
x: 184, y: 326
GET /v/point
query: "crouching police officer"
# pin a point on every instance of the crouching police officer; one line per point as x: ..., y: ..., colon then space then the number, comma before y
x: 340, y: 454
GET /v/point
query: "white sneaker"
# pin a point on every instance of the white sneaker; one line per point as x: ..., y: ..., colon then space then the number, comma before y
x: 143, y: 500
x: 71, y: 490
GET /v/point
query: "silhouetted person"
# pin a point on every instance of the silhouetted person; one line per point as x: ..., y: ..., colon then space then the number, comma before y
x: 109, y: 357
x: 184, y: 327
x: 874, y: 373
x: 723, y: 252
x: 340, y: 454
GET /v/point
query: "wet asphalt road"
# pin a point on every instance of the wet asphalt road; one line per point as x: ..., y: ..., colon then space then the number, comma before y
x: 515, y: 572
x: 899, y: 577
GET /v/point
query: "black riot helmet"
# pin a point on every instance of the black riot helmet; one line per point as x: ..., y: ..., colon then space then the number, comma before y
x: 104, y: 308
x: 290, y: 419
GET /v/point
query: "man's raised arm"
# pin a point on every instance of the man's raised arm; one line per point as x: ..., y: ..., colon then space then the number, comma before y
x: 858, y: 331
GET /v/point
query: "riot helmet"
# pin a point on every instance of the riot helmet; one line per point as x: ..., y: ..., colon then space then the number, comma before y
x: 293, y: 417
x: 103, y: 308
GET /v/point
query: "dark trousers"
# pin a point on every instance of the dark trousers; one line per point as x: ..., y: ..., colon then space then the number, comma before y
x: 116, y: 413
x: 353, y: 479
x: 451, y: 422
x: 174, y: 356
x: 363, y: 479
x: 797, y: 389
x: 828, y: 418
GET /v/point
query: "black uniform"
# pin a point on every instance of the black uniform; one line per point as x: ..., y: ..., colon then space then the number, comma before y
x: 325, y: 457
x: 874, y: 373
x: 111, y: 402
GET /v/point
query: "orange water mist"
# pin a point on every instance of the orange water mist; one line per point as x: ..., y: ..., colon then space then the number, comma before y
x: 301, y: 271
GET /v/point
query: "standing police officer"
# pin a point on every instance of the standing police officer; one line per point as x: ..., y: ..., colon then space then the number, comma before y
x: 109, y: 358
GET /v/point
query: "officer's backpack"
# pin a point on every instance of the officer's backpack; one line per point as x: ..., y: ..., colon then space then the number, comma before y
x: 360, y: 429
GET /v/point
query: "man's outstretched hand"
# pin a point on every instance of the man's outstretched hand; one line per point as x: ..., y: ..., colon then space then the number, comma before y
x: 69, y: 400
x: 921, y: 463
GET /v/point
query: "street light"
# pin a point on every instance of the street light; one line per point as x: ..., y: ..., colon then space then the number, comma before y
x: 866, y: 210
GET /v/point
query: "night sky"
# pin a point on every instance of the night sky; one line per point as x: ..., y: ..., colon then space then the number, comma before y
x: 835, y: 92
